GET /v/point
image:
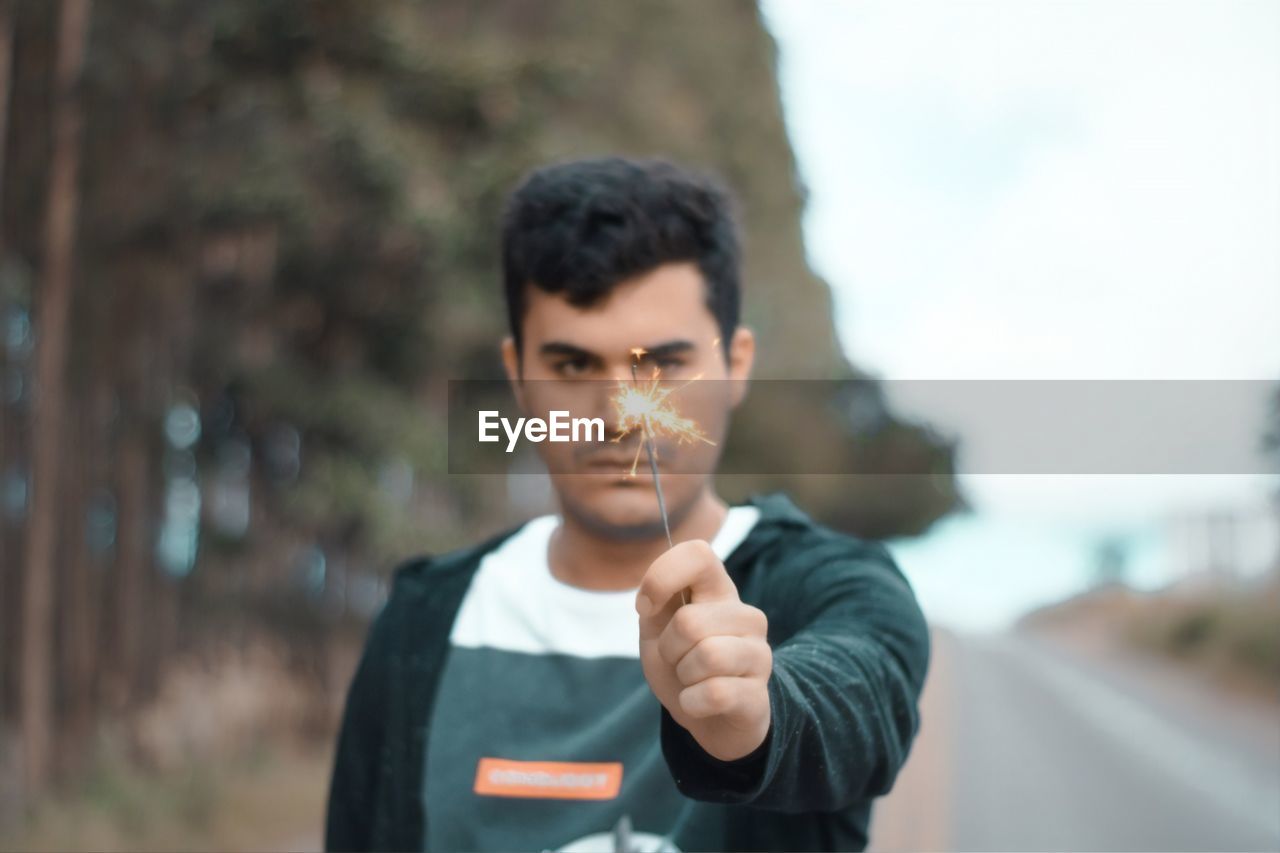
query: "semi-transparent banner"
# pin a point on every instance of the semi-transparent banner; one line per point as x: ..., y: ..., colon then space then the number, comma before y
x: 858, y: 426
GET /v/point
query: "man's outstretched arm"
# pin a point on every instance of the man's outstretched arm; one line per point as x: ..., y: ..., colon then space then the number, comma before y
x: 840, y: 696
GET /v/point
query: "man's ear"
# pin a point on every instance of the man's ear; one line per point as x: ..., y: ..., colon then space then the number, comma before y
x: 742, y: 358
x: 511, y: 364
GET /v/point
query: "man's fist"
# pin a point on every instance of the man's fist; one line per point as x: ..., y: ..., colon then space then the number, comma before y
x: 708, y: 661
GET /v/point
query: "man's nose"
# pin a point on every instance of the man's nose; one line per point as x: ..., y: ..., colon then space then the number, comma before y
x: 605, y: 392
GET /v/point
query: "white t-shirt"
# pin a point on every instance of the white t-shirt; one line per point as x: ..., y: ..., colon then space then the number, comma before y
x: 515, y: 602
x: 544, y: 733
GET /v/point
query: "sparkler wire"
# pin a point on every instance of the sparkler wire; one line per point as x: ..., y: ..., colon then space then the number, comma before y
x: 653, y: 468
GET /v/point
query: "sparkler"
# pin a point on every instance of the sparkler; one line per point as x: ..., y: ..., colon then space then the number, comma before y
x: 645, y: 407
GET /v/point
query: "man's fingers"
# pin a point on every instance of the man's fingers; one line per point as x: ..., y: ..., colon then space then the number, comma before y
x: 690, y: 565
x: 724, y: 655
x: 717, y: 696
x: 693, y: 623
x: 652, y: 627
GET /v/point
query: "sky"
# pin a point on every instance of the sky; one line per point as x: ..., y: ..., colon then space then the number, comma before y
x: 1085, y: 190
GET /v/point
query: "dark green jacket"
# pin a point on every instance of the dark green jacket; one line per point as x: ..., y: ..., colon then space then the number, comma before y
x: 850, y: 650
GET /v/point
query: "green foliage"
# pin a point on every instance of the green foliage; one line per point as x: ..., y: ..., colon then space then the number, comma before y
x: 294, y: 207
x: 1235, y: 633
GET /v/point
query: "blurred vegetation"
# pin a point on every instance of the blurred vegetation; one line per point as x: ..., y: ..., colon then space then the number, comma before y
x: 1222, y: 628
x: 286, y: 231
x: 270, y: 799
x: 1231, y: 633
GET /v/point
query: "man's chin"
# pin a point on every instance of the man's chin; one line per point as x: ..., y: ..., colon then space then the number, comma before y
x: 617, y: 509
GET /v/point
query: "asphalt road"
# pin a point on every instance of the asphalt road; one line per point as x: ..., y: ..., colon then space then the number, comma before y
x: 1025, y: 745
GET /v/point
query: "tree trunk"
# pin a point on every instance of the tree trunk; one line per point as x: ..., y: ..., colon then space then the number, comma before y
x: 6, y: 83
x: 132, y: 563
x: 8, y: 544
x: 50, y: 356
x: 80, y: 601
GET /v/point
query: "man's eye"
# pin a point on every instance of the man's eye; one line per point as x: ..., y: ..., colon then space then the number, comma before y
x: 670, y: 363
x: 572, y: 367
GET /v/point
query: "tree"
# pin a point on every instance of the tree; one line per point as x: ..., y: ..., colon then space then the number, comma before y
x: 51, y: 354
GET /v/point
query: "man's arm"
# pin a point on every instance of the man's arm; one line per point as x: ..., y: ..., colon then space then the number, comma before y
x: 354, y: 789
x: 842, y: 694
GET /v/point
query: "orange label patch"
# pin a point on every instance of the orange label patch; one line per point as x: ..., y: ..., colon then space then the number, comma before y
x: 548, y: 780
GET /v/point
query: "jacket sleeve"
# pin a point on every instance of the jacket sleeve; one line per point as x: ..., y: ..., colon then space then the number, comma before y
x: 843, y: 694
x: 355, y: 787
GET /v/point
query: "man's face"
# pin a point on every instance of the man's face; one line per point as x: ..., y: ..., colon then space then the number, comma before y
x: 573, y: 359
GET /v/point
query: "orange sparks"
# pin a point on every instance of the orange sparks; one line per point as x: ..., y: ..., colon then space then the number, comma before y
x: 645, y: 406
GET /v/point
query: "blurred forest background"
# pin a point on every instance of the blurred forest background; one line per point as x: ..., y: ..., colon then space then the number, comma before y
x: 244, y: 245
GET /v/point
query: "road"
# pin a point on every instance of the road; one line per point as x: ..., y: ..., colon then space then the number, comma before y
x: 1026, y: 745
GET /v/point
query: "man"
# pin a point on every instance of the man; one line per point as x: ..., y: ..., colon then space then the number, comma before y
x: 577, y: 683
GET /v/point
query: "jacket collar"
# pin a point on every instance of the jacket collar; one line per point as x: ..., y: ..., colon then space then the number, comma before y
x: 777, y: 508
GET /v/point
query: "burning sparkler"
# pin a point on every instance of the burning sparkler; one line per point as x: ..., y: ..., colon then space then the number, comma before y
x: 645, y: 407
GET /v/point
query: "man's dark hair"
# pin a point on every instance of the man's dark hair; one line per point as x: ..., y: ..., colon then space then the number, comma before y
x: 580, y: 228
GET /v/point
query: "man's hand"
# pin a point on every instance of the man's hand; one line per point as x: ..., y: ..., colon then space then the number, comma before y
x: 708, y: 661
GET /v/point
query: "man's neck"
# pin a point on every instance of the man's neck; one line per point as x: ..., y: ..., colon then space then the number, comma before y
x: 582, y: 558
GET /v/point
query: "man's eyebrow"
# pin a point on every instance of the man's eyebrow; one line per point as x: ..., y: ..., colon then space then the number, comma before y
x: 560, y: 348
x: 668, y: 349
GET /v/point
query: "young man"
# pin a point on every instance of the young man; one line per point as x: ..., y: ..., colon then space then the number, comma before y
x: 576, y: 683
